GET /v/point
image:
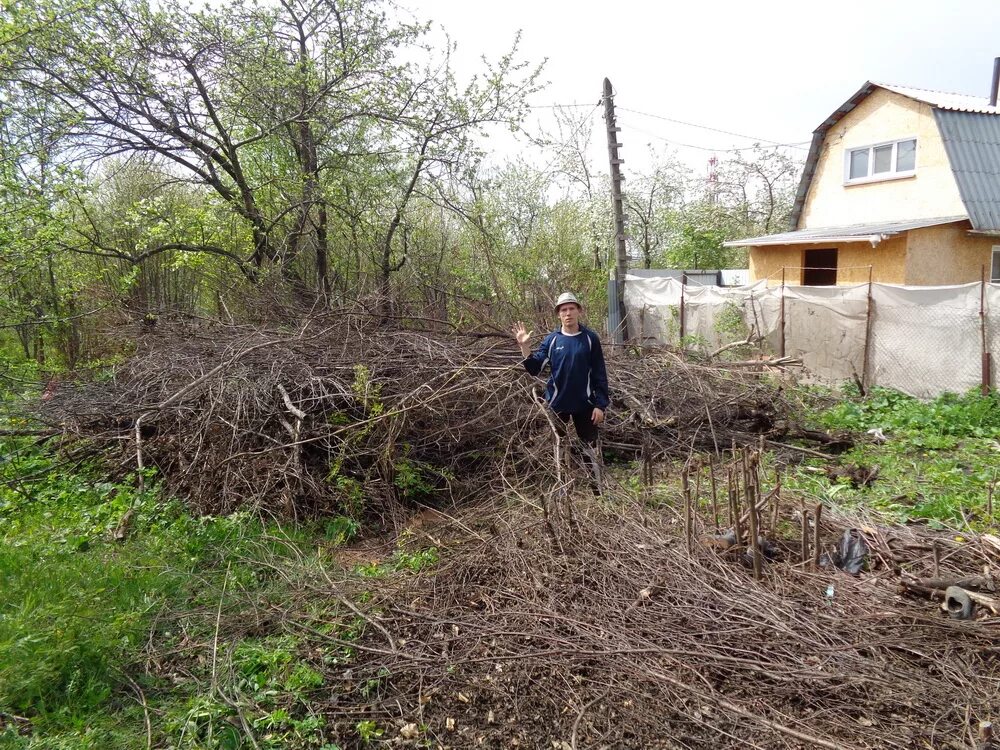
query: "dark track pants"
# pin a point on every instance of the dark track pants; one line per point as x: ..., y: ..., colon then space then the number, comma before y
x: 588, y: 433
x: 586, y: 430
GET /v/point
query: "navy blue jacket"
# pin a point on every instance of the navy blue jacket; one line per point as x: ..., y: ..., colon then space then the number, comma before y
x: 578, y: 380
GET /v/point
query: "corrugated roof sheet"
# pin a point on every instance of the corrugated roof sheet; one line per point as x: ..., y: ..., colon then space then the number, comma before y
x: 944, y: 99
x: 705, y: 277
x: 853, y: 233
x: 972, y: 142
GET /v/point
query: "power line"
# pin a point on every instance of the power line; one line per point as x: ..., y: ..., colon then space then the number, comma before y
x: 799, y: 145
x: 672, y: 142
x: 557, y: 106
x: 733, y: 150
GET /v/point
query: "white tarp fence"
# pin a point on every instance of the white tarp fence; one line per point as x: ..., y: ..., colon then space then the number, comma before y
x: 921, y: 340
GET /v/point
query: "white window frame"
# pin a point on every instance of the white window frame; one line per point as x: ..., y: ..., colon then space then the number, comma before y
x: 892, y: 174
x: 994, y: 278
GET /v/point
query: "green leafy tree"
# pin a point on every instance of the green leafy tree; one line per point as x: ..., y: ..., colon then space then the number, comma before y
x: 757, y: 190
x: 271, y: 108
x: 652, y: 202
x: 752, y: 196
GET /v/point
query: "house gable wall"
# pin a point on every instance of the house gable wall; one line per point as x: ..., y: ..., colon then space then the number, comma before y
x: 882, y: 116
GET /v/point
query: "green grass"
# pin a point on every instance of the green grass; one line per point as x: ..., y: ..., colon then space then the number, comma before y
x: 81, y: 609
x: 400, y: 561
x: 72, y: 605
x: 937, y: 465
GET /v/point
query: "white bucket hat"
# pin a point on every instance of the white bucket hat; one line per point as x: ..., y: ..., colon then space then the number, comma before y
x: 567, y: 297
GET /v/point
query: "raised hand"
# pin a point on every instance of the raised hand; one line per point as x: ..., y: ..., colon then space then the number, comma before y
x: 522, y: 335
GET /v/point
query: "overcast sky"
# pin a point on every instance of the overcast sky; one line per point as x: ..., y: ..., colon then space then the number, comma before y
x: 772, y: 70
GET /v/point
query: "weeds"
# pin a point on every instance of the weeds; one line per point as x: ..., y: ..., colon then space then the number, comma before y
x: 937, y: 462
x: 934, y: 425
x: 81, y: 603
x: 368, y: 731
x: 401, y: 560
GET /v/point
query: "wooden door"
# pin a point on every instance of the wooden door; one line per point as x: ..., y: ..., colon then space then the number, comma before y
x: 819, y: 267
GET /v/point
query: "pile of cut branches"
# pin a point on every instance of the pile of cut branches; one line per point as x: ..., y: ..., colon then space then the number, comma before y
x: 612, y: 634
x: 341, y: 412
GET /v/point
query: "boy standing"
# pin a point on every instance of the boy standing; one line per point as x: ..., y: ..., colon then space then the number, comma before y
x: 577, y: 388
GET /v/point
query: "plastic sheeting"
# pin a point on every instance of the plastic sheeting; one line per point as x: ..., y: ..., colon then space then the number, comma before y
x: 926, y: 340
x: 993, y: 328
x: 921, y: 340
x: 825, y: 328
x: 652, y: 310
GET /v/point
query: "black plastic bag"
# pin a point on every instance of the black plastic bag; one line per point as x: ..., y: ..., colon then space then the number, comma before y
x: 852, y: 551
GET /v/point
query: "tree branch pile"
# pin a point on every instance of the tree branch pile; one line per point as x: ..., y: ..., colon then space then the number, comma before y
x: 341, y: 413
x: 611, y: 634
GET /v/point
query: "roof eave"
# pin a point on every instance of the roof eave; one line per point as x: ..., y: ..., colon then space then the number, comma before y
x: 874, y: 239
x: 873, y: 233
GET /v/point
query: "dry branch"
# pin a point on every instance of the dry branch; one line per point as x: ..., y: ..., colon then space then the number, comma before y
x: 618, y: 637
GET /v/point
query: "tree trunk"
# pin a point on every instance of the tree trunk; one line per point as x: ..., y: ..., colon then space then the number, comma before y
x: 386, y: 266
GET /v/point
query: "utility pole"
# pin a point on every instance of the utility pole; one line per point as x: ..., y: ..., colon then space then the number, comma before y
x: 621, y: 259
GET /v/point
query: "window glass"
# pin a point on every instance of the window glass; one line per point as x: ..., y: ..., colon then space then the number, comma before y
x: 859, y: 163
x: 883, y: 159
x: 906, y: 156
x: 995, y: 273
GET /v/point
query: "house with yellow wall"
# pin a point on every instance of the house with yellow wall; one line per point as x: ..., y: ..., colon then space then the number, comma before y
x: 902, y: 186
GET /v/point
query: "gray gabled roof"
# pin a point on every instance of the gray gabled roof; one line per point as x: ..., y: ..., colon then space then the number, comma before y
x: 972, y: 142
x: 873, y: 233
x: 970, y: 128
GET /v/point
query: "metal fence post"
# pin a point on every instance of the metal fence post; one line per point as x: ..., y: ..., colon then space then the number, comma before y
x: 985, y: 387
x: 781, y: 343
